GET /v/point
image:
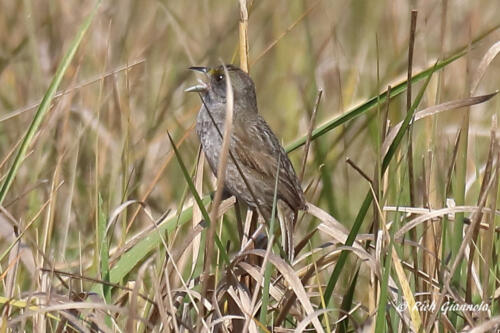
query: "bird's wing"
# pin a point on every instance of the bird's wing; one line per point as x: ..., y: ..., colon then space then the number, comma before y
x: 257, y: 149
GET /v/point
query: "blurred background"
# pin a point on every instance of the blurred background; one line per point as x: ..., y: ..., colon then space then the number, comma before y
x: 330, y: 45
x: 124, y: 91
x: 295, y: 47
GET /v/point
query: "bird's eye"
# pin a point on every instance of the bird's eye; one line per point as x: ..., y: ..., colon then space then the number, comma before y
x: 219, y: 77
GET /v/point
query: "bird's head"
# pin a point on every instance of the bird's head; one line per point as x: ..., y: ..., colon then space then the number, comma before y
x: 213, y: 89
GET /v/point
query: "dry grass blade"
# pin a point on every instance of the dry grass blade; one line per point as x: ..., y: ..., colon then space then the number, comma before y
x: 411, y: 173
x: 490, y: 172
x: 243, y: 33
x: 434, y: 214
x: 224, y: 153
x: 284, y: 33
x: 221, y: 172
x: 461, y: 253
x: 179, y: 31
x: 292, y: 279
x: 435, y: 109
x: 255, y: 273
x: 307, y: 320
x: 409, y: 153
x: 222, y: 319
x: 407, y: 292
x: 266, y: 269
x: 157, y: 177
x: 76, y: 87
x: 29, y: 257
x: 359, y: 170
x: 334, y: 228
x: 133, y: 302
x: 196, y: 241
x: 45, y: 104
x: 488, y: 241
x: 491, y: 325
x: 312, y: 123
x: 319, y: 73
x: 118, y: 210
x: 451, y: 105
x: 260, y: 280
x: 483, y: 66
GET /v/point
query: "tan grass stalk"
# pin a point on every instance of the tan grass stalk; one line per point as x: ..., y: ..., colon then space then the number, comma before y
x: 243, y: 34
x: 221, y: 172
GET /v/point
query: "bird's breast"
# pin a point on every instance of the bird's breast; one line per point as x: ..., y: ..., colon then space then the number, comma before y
x: 210, y: 138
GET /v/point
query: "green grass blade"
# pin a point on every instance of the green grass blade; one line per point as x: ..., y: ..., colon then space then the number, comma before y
x: 269, y: 267
x: 368, y: 198
x: 343, y: 255
x: 372, y: 102
x: 347, y: 303
x: 45, y: 104
x: 381, y: 310
x: 395, y: 91
x: 198, y: 200
x: 129, y: 260
x: 406, y: 123
x: 102, y: 243
x: 136, y: 254
x: 103, y: 250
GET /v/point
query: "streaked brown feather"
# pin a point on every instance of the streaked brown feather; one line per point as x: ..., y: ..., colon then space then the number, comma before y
x: 260, y: 158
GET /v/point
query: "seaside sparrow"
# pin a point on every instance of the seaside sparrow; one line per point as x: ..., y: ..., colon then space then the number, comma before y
x: 254, y: 149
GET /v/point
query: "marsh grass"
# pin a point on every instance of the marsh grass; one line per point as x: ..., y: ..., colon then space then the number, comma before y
x: 107, y: 223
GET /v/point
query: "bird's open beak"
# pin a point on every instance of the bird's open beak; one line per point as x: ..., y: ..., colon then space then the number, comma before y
x: 199, y: 69
x: 201, y: 86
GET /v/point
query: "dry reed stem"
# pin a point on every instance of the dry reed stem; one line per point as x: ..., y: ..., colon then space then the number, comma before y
x: 243, y: 36
x: 221, y: 173
x: 312, y: 123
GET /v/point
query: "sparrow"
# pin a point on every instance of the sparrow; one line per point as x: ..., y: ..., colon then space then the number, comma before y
x: 255, y: 152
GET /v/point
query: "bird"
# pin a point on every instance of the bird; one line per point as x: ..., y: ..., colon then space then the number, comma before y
x: 254, y: 150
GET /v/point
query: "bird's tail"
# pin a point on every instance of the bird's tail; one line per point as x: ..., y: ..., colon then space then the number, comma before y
x: 287, y: 218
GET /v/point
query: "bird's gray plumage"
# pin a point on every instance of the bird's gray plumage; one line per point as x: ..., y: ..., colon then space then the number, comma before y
x: 253, y: 145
